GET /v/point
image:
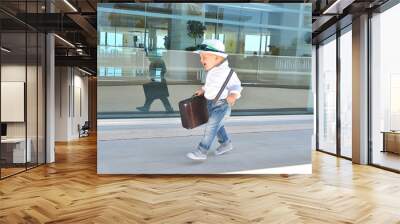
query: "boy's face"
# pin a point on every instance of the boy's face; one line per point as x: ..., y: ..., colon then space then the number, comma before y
x: 209, y: 60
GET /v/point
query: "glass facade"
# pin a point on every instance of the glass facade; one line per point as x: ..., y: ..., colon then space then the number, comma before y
x: 22, y: 91
x: 334, y: 62
x: 385, y: 89
x: 269, y: 47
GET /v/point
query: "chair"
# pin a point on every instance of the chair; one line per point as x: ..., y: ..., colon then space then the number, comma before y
x: 84, y: 130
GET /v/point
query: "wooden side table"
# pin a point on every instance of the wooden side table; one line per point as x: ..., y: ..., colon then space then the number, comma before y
x: 391, y: 141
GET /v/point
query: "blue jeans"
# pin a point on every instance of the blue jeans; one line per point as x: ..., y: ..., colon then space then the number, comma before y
x: 215, y: 125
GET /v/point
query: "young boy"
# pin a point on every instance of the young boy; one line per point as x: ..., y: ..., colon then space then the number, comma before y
x: 214, y: 59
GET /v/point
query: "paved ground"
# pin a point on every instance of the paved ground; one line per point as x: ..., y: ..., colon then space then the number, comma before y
x: 158, y: 146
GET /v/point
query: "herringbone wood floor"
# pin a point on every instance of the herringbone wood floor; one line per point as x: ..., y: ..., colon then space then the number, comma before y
x: 70, y: 191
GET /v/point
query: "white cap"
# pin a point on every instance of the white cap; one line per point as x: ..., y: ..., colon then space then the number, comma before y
x: 212, y: 46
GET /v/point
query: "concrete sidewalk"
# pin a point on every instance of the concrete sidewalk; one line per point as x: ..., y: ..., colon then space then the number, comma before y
x: 159, y: 146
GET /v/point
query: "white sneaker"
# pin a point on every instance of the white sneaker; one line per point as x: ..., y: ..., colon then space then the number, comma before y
x: 197, y: 155
x: 224, y: 148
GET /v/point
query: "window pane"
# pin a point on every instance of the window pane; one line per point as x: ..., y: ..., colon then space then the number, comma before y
x: 346, y: 93
x: 102, y: 38
x: 118, y: 39
x: 327, y: 96
x: 252, y: 44
x: 385, y: 89
x: 111, y: 39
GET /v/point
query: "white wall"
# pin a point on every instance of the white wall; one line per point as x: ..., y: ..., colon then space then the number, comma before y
x: 80, y: 115
x: 12, y: 101
x: 14, y: 73
x: 62, y: 82
x: 70, y: 84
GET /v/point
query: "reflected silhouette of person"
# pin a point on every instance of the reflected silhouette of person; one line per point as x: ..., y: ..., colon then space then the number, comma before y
x: 157, y: 88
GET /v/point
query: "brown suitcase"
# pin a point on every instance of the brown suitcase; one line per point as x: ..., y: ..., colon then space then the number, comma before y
x: 193, y: 111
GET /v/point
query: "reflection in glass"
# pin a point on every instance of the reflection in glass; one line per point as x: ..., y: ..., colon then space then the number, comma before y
x: 270, y: 53
x: 157, y: 88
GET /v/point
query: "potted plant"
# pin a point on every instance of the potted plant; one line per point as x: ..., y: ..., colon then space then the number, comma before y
x: 195, y: 30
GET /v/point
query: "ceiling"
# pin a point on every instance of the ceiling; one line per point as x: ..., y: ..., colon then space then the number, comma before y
x: 74, y: 22
x: 331, y: 15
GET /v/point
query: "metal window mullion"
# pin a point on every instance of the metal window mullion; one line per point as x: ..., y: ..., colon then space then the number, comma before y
x: 37, y: 91
x: 73, y: 92
x: 338, y: 98
x: 26, y: 87
x: 69, y: 91
x: 369, y: 89
x: 317, y: 96
x: 45, y: 91
x: 0, y: 90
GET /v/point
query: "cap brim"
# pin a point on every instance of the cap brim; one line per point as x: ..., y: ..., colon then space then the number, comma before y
x: 212, y: 52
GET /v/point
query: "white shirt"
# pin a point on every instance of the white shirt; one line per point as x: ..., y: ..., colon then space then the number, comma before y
x: 216, y: 77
